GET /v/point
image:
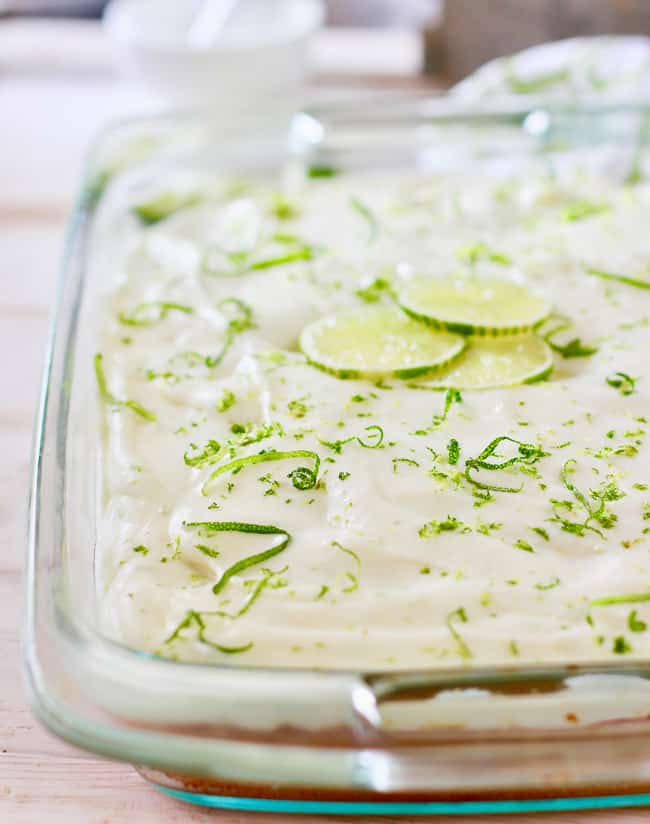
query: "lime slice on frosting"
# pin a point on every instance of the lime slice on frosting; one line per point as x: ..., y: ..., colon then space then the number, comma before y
x: 489, y: 363
x: 474, y: 306
x: 376, y: 343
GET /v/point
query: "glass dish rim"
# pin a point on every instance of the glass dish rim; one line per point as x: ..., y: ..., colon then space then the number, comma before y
x: 415, y: 111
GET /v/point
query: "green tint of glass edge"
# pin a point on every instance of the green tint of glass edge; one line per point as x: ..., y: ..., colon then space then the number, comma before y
x: 271, y: 805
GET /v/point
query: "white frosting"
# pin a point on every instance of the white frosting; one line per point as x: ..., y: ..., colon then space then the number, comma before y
x: 520, y: 607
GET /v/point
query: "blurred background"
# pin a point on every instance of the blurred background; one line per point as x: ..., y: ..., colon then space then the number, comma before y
x: 452, y: 47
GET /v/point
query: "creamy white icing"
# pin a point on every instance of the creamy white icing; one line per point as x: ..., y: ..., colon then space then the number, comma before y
x: 469, y: 595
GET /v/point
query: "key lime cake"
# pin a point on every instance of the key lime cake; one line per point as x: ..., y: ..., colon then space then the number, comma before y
x: 378, y: 422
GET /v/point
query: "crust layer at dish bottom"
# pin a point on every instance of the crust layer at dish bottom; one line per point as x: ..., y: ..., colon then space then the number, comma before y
x: 231, y: 789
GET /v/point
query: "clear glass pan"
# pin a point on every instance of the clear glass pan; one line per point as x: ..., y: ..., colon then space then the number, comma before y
x: 306, y: 741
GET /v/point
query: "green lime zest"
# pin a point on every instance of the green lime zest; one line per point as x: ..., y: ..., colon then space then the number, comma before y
x: 268, y: 575
x: 449, y: 524
x: 555, y: 582
x: 621, y: 645
x: 242, y: 263
x: 623, y: 382
x: 194, y: 618
x: 635, y: 624
x: 302, y: 478
x: 376, y: 433
x: 297, y: 408
x: 527, y: 455
x: 453, y: 451
x: 524, y: 546
x: 452, y: 396
x: 227, y: 400
x: 535, y: 84
x: 407, y: 461
x: 476, y: 252
x: 629, y: 281
x: 210, y: 453
x: 244, y: 435
x: 242, y: 321
x: 598, y: 513
x: 374, y: 291
x: 486, y: 528
x: 460, y: 616
x: 608, y: 491
x: 337, y: 446
x: 104, y: 391
x: 209, y: 528
x: 582, y: 209
x: 286, y: 238
x: 629, y: 450
x: 146, y: 314
x: 283, y: 208
x: 574, y: 348
x: 321, y: 170
x: 303, y: 253
x: 352, y: 577
x: 107, y: 396
x: 612, y: 600
x: 163, y: 206
x: 206, y: 550
x: 369, y: 216
x: 260, y: 586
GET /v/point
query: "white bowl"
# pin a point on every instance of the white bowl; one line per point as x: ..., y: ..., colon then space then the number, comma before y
x: 260, y: 59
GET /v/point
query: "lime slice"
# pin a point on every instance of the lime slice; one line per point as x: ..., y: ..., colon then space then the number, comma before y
x: 489, y: 363
x: 375, y: 343
x: 163, y: 205
x: 474, y: 306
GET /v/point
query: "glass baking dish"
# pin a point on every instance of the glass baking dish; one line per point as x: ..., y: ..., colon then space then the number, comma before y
x: 298, y: 740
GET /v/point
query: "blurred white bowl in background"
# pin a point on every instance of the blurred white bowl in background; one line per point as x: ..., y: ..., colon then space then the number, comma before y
x: 260, y: 59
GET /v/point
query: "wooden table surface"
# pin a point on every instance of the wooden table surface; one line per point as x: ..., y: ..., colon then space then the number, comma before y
x: 57, y: 87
